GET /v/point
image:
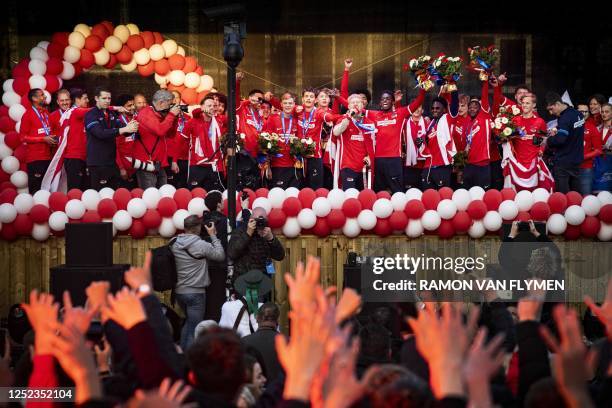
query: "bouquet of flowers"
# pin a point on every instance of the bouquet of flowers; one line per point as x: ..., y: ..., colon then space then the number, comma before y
x: 419, y: 68
x: 503, y: 126
x: 268, y: 143
x: 482, y: 60
x: 301, y: 148
x: 446, y: 70
x: 459, y: 160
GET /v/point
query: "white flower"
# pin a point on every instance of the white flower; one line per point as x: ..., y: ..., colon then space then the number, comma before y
x: 504, y: 120
x: 515, y: 110
x: 498, y: 125
x: 437, y: 63
x: 507, y: 131
x: 413, y: 63
x: 309, y: 141
x: 269, y: 145
x: 302, y: 141
x: 242, y: 136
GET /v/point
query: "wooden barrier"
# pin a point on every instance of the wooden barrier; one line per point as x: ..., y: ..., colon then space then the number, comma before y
x: 25, y: 263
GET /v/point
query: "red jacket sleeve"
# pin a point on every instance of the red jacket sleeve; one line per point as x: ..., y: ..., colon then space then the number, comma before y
x: 160, y: 129
x: 344, y: 89
x: 414, y: 105
x: 24, y: 132
x: 596, y: 144
x: 274, y: 101
x: 484, y: 97
x: 498, y: 99
x: 43, y: 376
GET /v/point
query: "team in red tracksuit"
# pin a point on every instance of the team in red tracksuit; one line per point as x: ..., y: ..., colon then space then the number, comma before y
x: 414, y: 134
x: 353, y: 147
x: 35, y: 131
x: 477, y: 132
x: 150, y: 146
x: 593, y: 142
x: 284, y: 171
x: 178, y: 153
x: 75, y: 152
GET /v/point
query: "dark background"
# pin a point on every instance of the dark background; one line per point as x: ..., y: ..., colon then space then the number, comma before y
x: 293, y: 44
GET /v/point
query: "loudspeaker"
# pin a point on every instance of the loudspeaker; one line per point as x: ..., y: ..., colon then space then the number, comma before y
x: 89, y: 244
x: 352, y: 277
x: 76, y: 279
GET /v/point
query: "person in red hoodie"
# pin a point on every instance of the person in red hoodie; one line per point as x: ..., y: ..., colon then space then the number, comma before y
x: 75, y: 152
x: 354, y: 138
x: 125, y: 143
x: 285, y: 124
x: 155, y: 124
x: 477, y: 130
x: 64, y: 102
x: 204, y: 137
x: 35, y: 131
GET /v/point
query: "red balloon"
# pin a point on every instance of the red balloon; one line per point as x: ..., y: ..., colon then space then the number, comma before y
x: 4, y: 110
x: 55, y: 50
x: 430, y: 199
x: 166, y: 207
x: 198, y: 192
x: 146, y: 70
x: 508, y: 194
x: 124, y: 56
x: 573, y: 198
x: 398, y: 220
x: 182, y: 197
x: 87, y: 59
x: 321, y: 228
x: 199, y: 70
x: 251, y: 195
x: 111, y: 62
x: 121, y: 197
x: 107, y: 207
x: 12, y: 139
x: 590, y: 226
x: 414, y: 209
x: 462, y: 222
x: 321, y: 192
x: 101, y: 31
x: 138, y: 230
x: 383, y: 194
x: 54, y: 66
x: 605, y: 214
x: 23, y: 224
x: 135, y: 42
x: 306, y: 197
x: 21, y: 69
x: 261, y: 192
x: 21, y: 85
x: 57, y: 201
x: 367, y: 198
x: 109, y: 26
x: 336, y: 219
x: 8, y: 195
x: 557, y: 202
x: 60, y: 38
x: 91, y: 216
x: 6, y: 124
x: 53, y: 83
x: 93, y: 43
x: 8, y: 232
x: 190, y: 64
x: 25, y: 102
x: 351, y: 207
x: 446, y: 193
x: 446, y: 229
x: 225, y: 206
x: 523, y: 216
x: 540, y: 211
x: 276, y: 218
x: 158, y: 37
x: 137, y: 192
x: 74, y: 194
x: 152, y: 218
x: 179, y: 88
x: 477, y: 209
x: 4, y: 179
x: 383, y: 228
x: 176, y: 61
x: 148, y: 38
x: 78, y: 70
x: 189, y: 96
x: 39, y: 213
x: 572, y: 232
x: 292, y: 206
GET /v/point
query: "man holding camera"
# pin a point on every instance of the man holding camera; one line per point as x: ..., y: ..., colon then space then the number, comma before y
x: 156, y: 123
x: 253, y: 246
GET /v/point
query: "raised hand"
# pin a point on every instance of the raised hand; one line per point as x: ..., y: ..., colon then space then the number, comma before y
x: 529, y: 307
x: 302, y: 287
x: 398, y: 95
x: 139, y: 275
x: 125, y: 308
x: 76, y: 316
x: 341, y: 388
x: 168, y: 394
x: 603, y: 312
x: 348, y: 63
x: 482, y: 363
x: 348, y: 305
x: 239, y: 76
x: 42, y: 314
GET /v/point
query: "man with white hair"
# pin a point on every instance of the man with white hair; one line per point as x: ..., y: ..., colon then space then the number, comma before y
x: 156, y: 124
x: 354, y: 135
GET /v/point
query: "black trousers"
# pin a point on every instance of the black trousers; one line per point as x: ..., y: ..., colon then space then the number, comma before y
x: 328, y: 178
x: 247, y: 172
x: 388, y: 174
x: 497, y: 175
x: 567, y: 178
x: 36, y: 172
x: 180, y: 178
x: 104, y: 176
x: 351, y: 179
x: 76, y: 172
x: 436, y: 177
x: 285, y: 177
x: 314, y: 173
x: 477, y: 176
x: 205, y: 177
x: 412, y: 178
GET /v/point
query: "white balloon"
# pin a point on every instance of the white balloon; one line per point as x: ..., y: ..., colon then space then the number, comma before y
x: 7, y: 86
x: 156, y: 52
x: 58, y: 221
x: 37, y: 81
x: 447, y: 208
x: 461, y: 198
x: 122, y: 33
x: 8, y: 213
x: 431, y: 220
x: 575, y: 215
x: 113, y: 44
x: 307, y: 218
x: 180, y: 51
x: 476, y: 193
x: 39, y: 53
x: 76, y: 40
x: 16, y: 112
x: 167, y: 228
x: 604, y: 196
x: 492, y: 221
x: 90, y: 199
x: 351, y: 227
x: 176, y: 77
x: 366, y: 219
x: 107, y: 192
x: 321, y: 206
x: 75, y: 209
x: 291, y: 229
x: 508, y: 210
x: 167, y: 190
x: 206, y: 83
x: 10, y: 164
x: 133, y: 29
x: 414, y: 229
x: 136, y: 207
x: 591, y: 205
x: 130, y: 67
x: 23, y: 203
x: 351, y: 193
x: 524, y: 200
x: 42, y: 197
x: 292, y: 192
x: 262, y: 202
x: 43, y: 44
x: 160, y: 79
x: 556, y: 224
x: 196, y: 206
x: 179, y: 218
x: 5, y: 151
x: 399, y: 201
x: 37, y: 67
x: 605, y: 232
x: 72, y: 54
x: 41, y: 232
x: 540, y: 194
x: 276, y: 196
x: 382, y: 208
x: 102, y: 56
x: 47, y: 97
x: 477, y: 230
x: 83, y: 29
x: 336, y: 198
x: 151, y: 197
x: 192, y: 80
x: 10, y: 98
x: 68, y: 72
x: 142, y: 57
x: 170, y: 47
x: 122, y: 220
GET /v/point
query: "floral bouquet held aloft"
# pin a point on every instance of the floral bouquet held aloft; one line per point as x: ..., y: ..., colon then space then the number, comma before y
x: 268, y: 144
x: 482, y: 60
x: 419, y: 68
x: 301, y: 148
x: 503, y: 127
x: 446, y: 71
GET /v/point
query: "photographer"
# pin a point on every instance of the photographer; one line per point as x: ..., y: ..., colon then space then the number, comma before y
x: 156, y: 123
x: 252, y: 245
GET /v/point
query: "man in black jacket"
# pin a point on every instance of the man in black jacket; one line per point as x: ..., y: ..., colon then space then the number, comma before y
x: 263, y: 339
x: 253, y: 246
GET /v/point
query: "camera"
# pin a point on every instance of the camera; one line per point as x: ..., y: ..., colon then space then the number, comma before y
x: 184, y: 108
x: 207, y: 218
x: 261, y: 222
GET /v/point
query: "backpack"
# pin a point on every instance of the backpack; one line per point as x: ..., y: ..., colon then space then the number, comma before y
x: 163, y: 267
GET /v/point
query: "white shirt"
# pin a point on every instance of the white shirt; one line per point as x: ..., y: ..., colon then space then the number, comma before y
x: 229, y: 314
